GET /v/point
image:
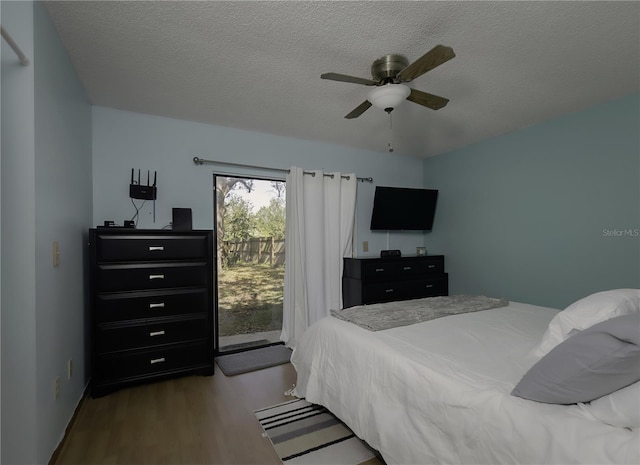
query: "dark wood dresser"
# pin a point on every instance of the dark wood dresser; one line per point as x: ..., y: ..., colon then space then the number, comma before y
x: 151, y: 306
x: 373, y: 280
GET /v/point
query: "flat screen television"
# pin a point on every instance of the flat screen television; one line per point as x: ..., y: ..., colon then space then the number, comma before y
x: 403, y: 208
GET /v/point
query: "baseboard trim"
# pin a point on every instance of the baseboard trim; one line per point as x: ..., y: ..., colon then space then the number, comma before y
x: 58, y: 450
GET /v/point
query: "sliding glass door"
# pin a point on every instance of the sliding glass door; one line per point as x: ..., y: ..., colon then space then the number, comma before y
x: 250, y: 225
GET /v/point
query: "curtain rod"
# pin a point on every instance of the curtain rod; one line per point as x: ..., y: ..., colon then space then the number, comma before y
x: 200, y: 161
x: 21, y: 56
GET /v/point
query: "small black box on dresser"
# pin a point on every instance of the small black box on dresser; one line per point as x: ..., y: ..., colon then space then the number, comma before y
x: 374, y: 280
x: 151, y: 297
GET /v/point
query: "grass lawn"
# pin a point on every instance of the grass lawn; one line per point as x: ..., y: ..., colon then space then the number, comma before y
x: 250, y: 298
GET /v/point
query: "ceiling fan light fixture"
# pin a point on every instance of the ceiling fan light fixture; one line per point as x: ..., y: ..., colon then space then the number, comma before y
x: 388, y: 96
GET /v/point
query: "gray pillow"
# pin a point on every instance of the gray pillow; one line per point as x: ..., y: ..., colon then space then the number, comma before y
x: 590, y: 364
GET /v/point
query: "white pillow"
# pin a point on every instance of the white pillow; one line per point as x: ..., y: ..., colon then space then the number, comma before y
x: 586, y: 312
x: 620, y: 408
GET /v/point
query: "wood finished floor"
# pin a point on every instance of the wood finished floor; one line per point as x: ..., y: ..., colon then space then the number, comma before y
x: 184, y: 421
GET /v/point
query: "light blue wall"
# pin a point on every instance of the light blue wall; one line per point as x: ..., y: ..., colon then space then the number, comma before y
x: 63, y: 214
x: 124, y: 140
x: 46, y: 197
x: 525, y: 216
x: 18, y: 350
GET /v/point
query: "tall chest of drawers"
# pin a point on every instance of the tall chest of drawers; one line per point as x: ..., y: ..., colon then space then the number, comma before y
x: 373, y: 280
x: 151, y: 306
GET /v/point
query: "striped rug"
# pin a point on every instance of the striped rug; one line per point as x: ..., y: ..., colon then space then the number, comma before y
x: 305, y: 433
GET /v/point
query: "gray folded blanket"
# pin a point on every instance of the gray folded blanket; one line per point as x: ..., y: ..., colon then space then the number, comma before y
x: 377, y: 317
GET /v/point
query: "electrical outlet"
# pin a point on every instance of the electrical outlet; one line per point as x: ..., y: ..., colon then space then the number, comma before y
x: 365, y: 246
x: 56, y: 388
x: 70, y: 368
x: 55, y: 250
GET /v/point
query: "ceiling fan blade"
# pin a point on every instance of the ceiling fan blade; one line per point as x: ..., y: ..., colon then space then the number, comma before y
x: 435, y: 57
x: 427, y: 100
x: 360, y: 109
x: 346, y: 78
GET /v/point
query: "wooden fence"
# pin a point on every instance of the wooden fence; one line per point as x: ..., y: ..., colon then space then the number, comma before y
x: 254, y: 250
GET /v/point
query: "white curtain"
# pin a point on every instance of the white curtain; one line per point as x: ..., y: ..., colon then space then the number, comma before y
x: 319, y: 231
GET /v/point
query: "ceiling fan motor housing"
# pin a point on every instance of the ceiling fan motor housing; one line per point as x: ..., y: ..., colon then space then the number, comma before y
x: 385, y: 69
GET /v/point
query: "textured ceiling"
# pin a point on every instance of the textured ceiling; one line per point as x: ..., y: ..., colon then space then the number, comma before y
x: 257, y: 65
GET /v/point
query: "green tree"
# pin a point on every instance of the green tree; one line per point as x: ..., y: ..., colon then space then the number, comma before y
x: 224, y: 187
x: 238, y: 219
x: 270, y: 220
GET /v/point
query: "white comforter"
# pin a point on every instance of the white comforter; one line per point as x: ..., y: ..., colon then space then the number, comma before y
x: 439, y: 392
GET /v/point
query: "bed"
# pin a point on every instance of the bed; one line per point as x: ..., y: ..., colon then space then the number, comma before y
x: 440, y: 391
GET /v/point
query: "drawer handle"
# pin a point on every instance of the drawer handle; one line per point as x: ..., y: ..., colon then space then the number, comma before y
x: 379, y: 269
x: 158, y: 305
x: 388, y: 290
x: 157, y: 360
x: 406, y: 268
x: 156, y: 276
x: 155, y: 247
x: 431, y: 266
x: 429, y: 286
x: 156, y: 333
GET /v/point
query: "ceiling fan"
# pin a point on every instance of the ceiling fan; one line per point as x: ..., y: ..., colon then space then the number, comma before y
x: 389, y: 72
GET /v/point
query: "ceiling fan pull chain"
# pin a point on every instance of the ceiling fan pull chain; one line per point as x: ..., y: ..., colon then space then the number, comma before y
x: 390, y: 132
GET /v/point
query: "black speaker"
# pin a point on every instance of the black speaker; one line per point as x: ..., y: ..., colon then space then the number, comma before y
x: 390, y: 253
x: 181, y: 219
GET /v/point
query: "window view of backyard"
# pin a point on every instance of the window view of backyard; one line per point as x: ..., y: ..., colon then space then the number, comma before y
x: 250, y: 230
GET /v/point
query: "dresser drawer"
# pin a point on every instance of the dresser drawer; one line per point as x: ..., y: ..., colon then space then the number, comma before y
x: 112, y: 338
x: 150, y: 304
x: 122, y: 247
x: 386, y: 270
x: 403, y: 290
x: 433, y: 265
x: 129, y: 277
x: 154, y: 361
